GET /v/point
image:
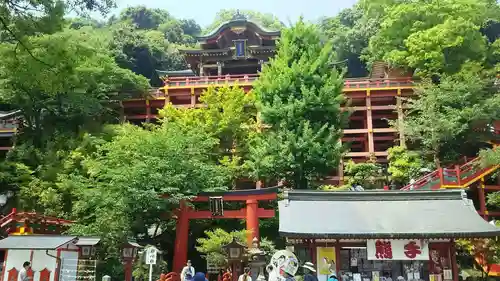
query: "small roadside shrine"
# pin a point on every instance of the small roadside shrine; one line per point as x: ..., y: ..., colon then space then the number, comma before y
x: 377, y: 235
x: 52, y: 257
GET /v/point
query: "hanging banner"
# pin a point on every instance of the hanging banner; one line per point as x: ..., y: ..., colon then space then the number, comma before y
x: 403, y: 249
x: 326, y: 260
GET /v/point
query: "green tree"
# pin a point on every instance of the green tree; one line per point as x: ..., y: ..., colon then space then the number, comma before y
x: 365, y: 174
x: 212, y: 245
x: 13, y: 176
x: 144, y: 52
x: 229, y: 116
x: 431, y: 37
x: 449, y: 114
x: 145, y: 18
x: 350, y: 32
x: 190, y: 27
x: 75, y: 89
x: 122, y: 183
x: 404, y: 164
x: 267, y: 20
x: 299, y: 96
x: 19, y: 19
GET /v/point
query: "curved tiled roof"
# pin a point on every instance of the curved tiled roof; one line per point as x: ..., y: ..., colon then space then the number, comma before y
x: 381, y: 215
x: 239, y: 20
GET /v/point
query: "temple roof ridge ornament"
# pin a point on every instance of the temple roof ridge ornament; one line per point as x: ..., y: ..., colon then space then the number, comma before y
x: 238, y: 16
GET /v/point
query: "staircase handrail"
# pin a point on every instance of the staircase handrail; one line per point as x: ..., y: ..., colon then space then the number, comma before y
x: 5, y: 220
x: 468, y: 166
x: 422, y: 180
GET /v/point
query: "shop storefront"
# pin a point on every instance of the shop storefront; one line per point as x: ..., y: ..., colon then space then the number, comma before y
x: 380, y: 235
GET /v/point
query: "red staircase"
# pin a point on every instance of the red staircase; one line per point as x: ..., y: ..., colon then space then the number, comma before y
x: 6, y: 220
x: 461, y: 176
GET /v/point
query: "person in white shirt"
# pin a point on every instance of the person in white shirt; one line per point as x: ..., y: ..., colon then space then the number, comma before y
x: 187, y: 270
x: 246, y: 275
x: 23, y: 273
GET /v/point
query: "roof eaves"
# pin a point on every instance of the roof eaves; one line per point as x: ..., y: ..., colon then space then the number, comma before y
x: 396, y: 195
x: 391, y: 235
x: 226, y: 24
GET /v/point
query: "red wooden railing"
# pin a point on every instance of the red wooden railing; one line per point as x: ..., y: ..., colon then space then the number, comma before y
x: 5, y: 220
x: 356, y: 83
x: 459, y: 176
x: 210, y: 80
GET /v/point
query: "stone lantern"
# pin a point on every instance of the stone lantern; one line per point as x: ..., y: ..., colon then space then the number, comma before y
x: 257, y: 261
x: 235, y: 256
x: 235, y: 250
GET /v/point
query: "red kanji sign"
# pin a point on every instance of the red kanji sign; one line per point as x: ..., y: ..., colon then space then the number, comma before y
x: 383, y: 249
x: 412, y: 250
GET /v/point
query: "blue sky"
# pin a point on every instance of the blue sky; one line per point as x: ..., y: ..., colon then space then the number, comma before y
x: 203, y: 11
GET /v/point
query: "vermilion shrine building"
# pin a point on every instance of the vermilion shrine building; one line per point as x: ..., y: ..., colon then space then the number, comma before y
x: 235, y: 52
x: 370, y: 234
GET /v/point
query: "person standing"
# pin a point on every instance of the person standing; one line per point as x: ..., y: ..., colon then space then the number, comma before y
x: 23, y: 273
x: 187, y: 270
x: 246, y: 275
x: 308, y: 272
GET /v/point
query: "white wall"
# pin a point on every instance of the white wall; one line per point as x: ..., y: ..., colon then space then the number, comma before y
x: 40, y: 261
x: 15, y: 259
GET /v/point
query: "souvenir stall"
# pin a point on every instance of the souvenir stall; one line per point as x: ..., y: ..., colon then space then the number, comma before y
x: 52, y: 257
x: 380, y: 235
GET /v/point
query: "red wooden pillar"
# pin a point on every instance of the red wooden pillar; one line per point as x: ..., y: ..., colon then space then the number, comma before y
x: 369, y: 121
x: 181, y: 238
x: 453, y: 256
x: 252, y: 220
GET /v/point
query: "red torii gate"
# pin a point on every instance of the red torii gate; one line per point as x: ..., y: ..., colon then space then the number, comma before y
x: 251, y: 213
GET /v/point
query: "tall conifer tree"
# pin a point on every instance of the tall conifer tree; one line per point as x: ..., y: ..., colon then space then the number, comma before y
x: 299, y: 97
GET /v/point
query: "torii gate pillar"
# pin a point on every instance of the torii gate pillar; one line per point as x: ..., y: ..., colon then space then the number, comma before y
x: 252, y: 220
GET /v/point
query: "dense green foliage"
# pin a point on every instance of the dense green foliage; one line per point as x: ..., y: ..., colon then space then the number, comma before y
x: 404, y: 165
x: 451, y: 111
x: 229, y: 117
x: 362, y: 174
x: 215, y: 239
x: 299, y: 97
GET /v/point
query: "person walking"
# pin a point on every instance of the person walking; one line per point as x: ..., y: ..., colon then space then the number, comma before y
x: 187, y: 270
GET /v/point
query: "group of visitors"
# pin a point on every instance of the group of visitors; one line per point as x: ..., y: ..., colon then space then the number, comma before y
x: 188, y: 274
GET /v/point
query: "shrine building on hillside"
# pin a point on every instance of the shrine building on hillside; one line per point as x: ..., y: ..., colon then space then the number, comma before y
x: 235, y: 52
